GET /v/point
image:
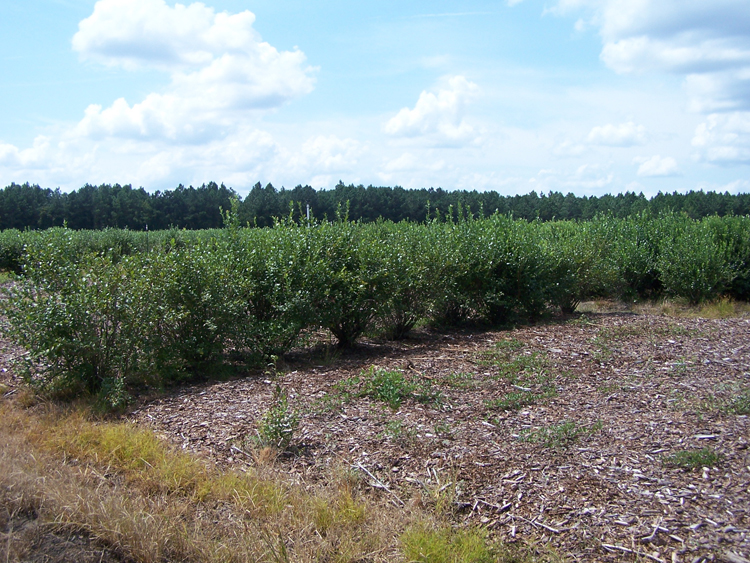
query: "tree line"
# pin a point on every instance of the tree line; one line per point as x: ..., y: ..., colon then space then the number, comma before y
x: 114, y: 206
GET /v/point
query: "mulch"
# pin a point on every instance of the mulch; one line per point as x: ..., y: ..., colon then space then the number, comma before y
x: 581, y: 463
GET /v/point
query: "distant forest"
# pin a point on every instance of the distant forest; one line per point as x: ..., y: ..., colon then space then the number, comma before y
x: 98, y: 207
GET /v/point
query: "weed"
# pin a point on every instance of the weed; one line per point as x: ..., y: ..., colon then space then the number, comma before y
x: 389, y: 386
x: 276, y: 428
x: 609, y: 388
x: 426, y: 394
x: 513, y: 401
x: 399, y: 433
x: 560, y: 435
x: 679, y: 368
x: 517, y: 368
x: 428, y: 544
x: 741, y: 403
x: 460, y: 380
x: 272, y: 371
x: 443, y: 430
x: 441, y: 492
x: 582, y: 321
x: 693, y: 459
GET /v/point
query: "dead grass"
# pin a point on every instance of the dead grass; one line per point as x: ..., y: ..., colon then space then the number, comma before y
x: 723, y: 308
x: 127, y: 491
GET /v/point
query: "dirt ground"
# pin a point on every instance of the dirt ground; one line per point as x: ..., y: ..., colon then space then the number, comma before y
x: 568, y: 433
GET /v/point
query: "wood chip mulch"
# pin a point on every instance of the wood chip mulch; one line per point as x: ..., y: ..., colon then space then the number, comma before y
x: 583, y: 462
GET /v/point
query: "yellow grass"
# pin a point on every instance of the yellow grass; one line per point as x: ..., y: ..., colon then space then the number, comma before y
x: 134, y: 494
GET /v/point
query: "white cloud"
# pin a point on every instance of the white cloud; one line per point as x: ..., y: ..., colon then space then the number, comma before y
x: 203, y: 126
x: 724, y: 138
x: 707, y: 42
x: 657, y: 166
x: 623, y: 135
x: 569, y: 148
x: 221, y: 71
x: 406, y: 161
x: 149, y: 33
x: 438, y: 117
x: 586, y: 178
x: 326, y: 154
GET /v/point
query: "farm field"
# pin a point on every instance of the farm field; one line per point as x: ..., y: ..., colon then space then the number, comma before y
x: 602, y: 436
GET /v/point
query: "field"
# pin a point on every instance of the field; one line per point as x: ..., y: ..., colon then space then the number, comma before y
x: 462, y: 390
x: 612, y: 434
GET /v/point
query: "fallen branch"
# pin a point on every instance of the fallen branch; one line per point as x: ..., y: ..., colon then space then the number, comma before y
x: 539, y: 524
x: 611, y: 547
x: 379, y: 483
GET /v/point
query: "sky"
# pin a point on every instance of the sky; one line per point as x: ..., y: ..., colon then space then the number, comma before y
x: 581, y: 96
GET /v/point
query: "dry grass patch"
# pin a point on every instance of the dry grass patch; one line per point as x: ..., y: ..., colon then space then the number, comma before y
x: 133, y: 497
x: 723, y: 308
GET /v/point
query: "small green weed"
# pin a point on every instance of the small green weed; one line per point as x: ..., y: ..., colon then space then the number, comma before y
x: 582, y: 321
x: 460, y: 380
x: 277, y: 427
x: 609, y: 388
x: 560, y: 435
x: 513, y: 401
x: 732, y: 399
x: 397, y: 431
x: 693, y: 459
x: 389, y: 386
x: 443, y: 430
x: 427, y: 544
x: 427, y: 394
x: 740, y: 404
x: 526, y: 368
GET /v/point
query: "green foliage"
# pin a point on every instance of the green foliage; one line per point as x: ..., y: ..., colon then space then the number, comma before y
x: 560, y: 435
x: 277, y: 427
x: 582, y: 262
x: 388, y: 386
x: 693, y: 264
x: 345, y: 281
x: 110, y: 311
x: 513, y: 401
x: 693, y: 459
x: 83, y: 323
x: 425, y: 544
x: 741, y: 403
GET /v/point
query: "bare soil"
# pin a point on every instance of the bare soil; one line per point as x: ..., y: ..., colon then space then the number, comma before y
x: 577, y: 456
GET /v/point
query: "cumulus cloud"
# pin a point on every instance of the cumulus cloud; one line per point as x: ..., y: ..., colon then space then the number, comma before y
x: 150, y: 33
x: 220, y: 69
x: 439, y: 116
x: 707, y: 42
x: 204, y: 125
x: 623, y: 135
x: 724, y: 138
x: 657, y: 166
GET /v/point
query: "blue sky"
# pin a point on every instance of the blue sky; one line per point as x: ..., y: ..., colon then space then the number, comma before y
x: 582, y: 96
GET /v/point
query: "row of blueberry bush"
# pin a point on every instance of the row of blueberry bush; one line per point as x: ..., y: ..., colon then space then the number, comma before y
x: 106, y: 312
